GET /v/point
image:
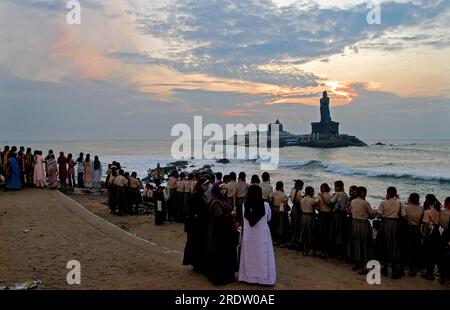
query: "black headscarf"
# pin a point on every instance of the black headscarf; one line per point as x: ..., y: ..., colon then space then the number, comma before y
x: 254, y: 207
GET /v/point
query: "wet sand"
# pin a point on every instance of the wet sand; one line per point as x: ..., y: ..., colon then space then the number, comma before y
x: 42, y: 230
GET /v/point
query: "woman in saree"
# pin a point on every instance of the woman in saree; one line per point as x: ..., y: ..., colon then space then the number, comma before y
x: 52, y: 171
x: 88, y: 171
x: 62, y: 162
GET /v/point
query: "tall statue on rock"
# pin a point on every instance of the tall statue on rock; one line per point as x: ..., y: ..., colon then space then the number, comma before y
x: 325, y: 108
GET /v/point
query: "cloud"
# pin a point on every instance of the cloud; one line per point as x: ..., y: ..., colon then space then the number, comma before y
x: 234, y: 39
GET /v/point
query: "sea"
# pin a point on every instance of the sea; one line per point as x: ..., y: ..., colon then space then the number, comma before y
x: 421, y: 166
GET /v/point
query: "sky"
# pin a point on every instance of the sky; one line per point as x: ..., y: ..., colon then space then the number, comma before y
x: 134, y: 68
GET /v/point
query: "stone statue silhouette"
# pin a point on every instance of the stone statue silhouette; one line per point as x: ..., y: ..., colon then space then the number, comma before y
x: 325, y: 108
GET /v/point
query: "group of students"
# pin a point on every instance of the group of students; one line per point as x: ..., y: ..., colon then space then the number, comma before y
x: 401, y: 235
x: 30, y: 168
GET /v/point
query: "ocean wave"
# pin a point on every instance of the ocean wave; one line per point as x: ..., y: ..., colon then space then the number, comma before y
x: 349, y: 171
x: 297, y: 163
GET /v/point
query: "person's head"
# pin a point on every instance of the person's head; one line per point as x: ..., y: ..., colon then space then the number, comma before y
x: 6, y: 149
x: 324, y: 188
x: 121, y: 172
x: 182, y: 176
x: 96, y: 159
x: 339, y: 186
x: 279, y: 186
x: 134, y: 175
x: 414, y: 199
x: 431, y: 202
x: 232, y: 176
x: 61, y: 153
x: 223, y: 190
x: 69, y: 156
x: 255, y: 179
x: 226, y: 179
x: 298, y: 184
x: 352, y: 191
x: 114, y: 172
x: 254, y: 194
x: 126, y: 175
x: 266, y: 177
x: 447, y: 203
x: 29, y: 150
x: 361, y: 192
x: 191, y: 176
x: 148, y: 186
x: 20, y: 153
x: 202, y: 185
x: 219, y: 176
x: 88, y: 157
x: 391, y: 192
x: 22, y: 149
x: 81, y: 155
x: 14, y: 149
x: 309, y: 191
x: 242, y: 176
x: 50, y: 152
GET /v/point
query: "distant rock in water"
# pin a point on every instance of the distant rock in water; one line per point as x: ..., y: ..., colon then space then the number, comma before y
x: 179, y: 164
x: 380, y: 143
x: 223, y: 161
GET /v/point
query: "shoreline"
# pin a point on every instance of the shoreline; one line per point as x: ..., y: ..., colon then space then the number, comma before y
x: 132, y: 253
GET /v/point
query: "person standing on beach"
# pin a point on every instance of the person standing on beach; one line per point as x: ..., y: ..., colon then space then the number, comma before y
x: 338, y: 231
x: 257, y: 259
x: 97, y: 173
x: 197, y: 227
x: 71, y: 170
x: 171, y: 184
x: 222, y: 240
x: 280, y: 215
x: 121, y: 182
x: 296, y: 213
x: 88, y: 171
x: 52, y: 172
x: 21, y: 162
x: 431, y: 235
x: 179, y: 198
x: 5, y: 158
x: 307, y: 222
x: 80, y: 170
x: 39, y: 170
x: 323, y: 200
x: 444, y: 257
x: 241, y: 195
x: 187, y: 187
x: 412, y: 238
x: 360, y: 243
x: 266, y: 187
x: 388, y: 237
x: 62, y: 163
x: 13, y: 182
x: 29, y: 167
x: 231, y: 191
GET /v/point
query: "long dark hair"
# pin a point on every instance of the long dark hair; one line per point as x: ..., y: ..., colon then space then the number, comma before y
x: 254, y: 207
x: 96, y: 163
x: 431, y: 202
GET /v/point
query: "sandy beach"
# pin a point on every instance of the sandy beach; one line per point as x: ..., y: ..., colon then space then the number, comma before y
x: 42, y: 230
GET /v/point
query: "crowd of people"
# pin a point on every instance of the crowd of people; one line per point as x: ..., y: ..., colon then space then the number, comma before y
x: 226, y: 220
x: 233, y: 225
x: 20, y: 168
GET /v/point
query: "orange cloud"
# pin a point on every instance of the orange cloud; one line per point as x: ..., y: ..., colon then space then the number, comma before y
x: 240, y: 112
x: 84, y: 57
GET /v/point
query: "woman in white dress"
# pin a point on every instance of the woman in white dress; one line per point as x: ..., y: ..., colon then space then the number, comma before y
x: 257, y: 263
x: 39, y: 170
